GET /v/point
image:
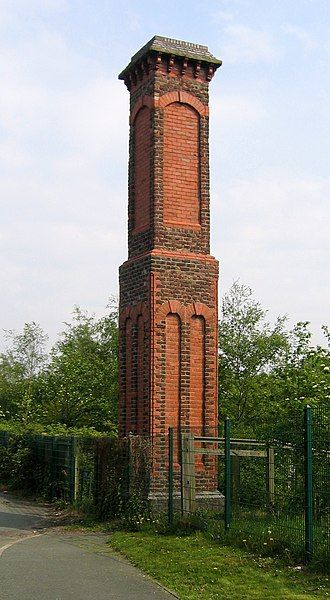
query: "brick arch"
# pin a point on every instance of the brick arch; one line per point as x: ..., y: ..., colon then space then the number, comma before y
x: 170, y: 307
x: 141, y: 101
x: 133, y: 312
x: 140, y: 309
x: 183, y: 98
x: 198, y: 309
x: 124, y: 315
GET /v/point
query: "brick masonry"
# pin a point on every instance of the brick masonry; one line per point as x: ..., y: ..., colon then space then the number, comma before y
x: 168, y: 285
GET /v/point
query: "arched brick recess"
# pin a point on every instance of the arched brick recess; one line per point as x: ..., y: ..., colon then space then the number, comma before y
x: 197, y: 374
x: 142, y: 157
x: 181, y: 166
x: 141, y: 372
x: 172, y: 370
x: 128, y: 374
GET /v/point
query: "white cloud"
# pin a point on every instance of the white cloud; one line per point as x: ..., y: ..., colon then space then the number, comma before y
x: 13, y: 12
x: 246, y: 45
x: 301, y: 34
x: 63, y: 141
x: 221, y: 15
x: 237, y: 110
x: 63, y: 185
x: 273, y: 234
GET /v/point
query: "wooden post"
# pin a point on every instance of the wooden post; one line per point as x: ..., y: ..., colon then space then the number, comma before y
x: 188, y: 473
x: 270, y: 478
x: 228, y: 475
x: 236, y: 467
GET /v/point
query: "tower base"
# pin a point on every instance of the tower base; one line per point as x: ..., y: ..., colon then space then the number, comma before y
x: 213, y: 501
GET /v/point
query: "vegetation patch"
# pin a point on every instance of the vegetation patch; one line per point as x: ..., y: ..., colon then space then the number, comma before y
x: 196, y: 567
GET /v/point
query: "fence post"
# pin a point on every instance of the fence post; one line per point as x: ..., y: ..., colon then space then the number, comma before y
x: 75, y: 469
x: 96, y: 491
x: 227, y: 474
x: 70, y: 467
x: 129, y: 468
x: 236, y: 477
x: 53, y: 467
x: 170, y: 475
x: 188, y: 473
x: 308, y: 482
x: 271, y: 478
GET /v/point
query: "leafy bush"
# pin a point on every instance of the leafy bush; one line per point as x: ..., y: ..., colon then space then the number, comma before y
x: 17, y: 464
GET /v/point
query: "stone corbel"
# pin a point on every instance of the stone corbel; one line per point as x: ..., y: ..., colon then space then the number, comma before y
x: 146, y: 67
x: 170, y: 63
x: 128, y: 82
x: 139, y: 71
x: 158, y: 61
x: 134, y: 76
x: 184, y: 65
x: 210, y: 73
x: 149, y: 63
x: 197, y: 68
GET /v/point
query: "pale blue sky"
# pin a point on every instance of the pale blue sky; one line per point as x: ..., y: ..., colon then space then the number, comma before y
x: 63, y: 149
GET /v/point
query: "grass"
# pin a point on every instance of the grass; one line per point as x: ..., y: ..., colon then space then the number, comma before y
x: 195, y: 567
x: 272, y: 536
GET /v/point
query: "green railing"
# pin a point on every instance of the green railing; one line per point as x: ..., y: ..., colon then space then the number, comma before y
x: 276, y: 494
x: 103, y: 476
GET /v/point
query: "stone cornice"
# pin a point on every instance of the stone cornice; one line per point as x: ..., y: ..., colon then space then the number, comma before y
x: 161, y: 49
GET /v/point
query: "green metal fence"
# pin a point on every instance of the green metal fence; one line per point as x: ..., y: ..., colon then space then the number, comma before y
x: 266, y: 485
x: 276, y: 494
x: 55, y: 466
x: 105, y: 476
x: 321, y: 482
x: 40, y: 464
x: 282, y: 495
x: 274, y: 497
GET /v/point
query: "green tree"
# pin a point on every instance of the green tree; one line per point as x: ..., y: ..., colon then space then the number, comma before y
x: 80, y: 384
x: 20, y: 368
x: 302, y: 378
x: 249, y: 350
x: 268, y: 374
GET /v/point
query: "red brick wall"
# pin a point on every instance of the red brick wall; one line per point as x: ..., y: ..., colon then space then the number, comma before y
x: 181, y: 165
x: 142, y: 147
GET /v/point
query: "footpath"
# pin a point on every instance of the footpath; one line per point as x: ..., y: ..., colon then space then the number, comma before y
x: 39, y: 561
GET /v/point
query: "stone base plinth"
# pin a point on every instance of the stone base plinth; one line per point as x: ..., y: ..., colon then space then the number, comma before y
x: 214, y: 501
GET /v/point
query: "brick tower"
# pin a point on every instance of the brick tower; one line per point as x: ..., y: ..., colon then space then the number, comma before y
x: 168, y: 285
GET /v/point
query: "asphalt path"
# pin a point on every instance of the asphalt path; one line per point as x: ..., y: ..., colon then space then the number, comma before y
x: 41, y: 562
